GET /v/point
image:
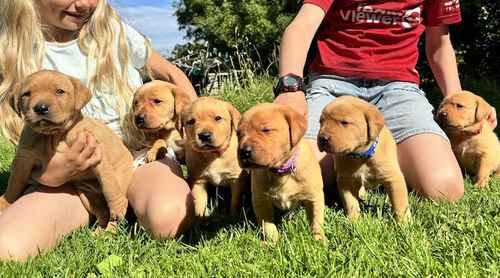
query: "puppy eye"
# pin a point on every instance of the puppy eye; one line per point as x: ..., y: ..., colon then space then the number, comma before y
x: 238, y: 133
x: 344, y: 123
x: 265, y: 130
x: 60, y: 92
x: 460, y: 106
x: 136, y: 102
x: 218, y: 118
x: 190, y: 122
x: 26, y: 94
x: 157, y: 101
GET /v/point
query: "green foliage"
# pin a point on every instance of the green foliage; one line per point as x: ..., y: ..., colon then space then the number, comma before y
x: 6, y: 155
x: 477, y: 39
x: 445, y: 240
x: 229, y: 25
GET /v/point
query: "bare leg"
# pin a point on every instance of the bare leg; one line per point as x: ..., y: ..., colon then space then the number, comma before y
x: 49, y: 212
x: 161, y: 199
x: 430, y: 167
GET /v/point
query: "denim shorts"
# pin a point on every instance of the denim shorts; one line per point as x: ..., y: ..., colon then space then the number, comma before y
x: 406, y: 110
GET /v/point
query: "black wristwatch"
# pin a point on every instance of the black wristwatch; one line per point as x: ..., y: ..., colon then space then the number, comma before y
x: 289, y: 83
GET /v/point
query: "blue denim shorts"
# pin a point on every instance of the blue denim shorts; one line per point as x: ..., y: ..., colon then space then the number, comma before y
x: 406, y: 110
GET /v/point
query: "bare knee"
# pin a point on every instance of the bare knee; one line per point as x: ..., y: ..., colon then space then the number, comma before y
x: 12, y: 248
x: 446, y: 186
x: 168, y: 219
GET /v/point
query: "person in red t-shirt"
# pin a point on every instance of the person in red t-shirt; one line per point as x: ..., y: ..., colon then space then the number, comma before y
x: 368, y: 48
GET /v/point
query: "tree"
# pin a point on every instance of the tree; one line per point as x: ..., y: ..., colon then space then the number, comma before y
x: 234, y: 25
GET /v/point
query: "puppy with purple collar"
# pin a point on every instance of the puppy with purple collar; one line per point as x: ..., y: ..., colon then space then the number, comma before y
x: 364, y: 152
x: 284, y: 170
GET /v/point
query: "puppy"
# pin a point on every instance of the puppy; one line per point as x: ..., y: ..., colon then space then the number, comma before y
x: 153, y: 121
x: 209, y: 127
x: 364, y: 152
x: 284, y: 170
x: 50, y: 103
x: 464, y: 118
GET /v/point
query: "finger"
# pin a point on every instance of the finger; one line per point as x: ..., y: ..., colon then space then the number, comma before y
x: 80, y: 142
x: 90, y: 148
x: 95, y: 158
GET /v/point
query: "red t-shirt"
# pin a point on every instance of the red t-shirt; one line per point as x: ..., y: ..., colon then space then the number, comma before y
x: 376, y: 39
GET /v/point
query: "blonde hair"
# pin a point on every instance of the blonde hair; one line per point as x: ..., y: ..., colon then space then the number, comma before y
x: 22, y: 50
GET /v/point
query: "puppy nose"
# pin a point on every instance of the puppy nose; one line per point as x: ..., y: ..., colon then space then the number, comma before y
x: 245, y: 152
x: 41, y: 109
x: 323, y: 139
x: 205, y: 136
x: 443, y: 115
x: 139, y: 119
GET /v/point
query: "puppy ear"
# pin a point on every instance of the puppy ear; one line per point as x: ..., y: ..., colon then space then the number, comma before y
x: 14, y: 99
x: 296, y: 122
x: 483, y: 109
x: 374, y: 122
x: 181, y: 100
x: 82, y: 93
x: 235, y: 115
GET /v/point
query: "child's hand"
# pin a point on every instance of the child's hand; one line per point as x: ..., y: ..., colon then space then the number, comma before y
x: 492, y: 118
x: 70, y: 161
x: 296, y: 100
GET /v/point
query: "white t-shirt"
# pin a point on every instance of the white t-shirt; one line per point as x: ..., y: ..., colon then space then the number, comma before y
x: 68, y: 59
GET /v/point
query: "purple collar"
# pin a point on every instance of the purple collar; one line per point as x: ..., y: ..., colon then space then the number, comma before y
x: 288, y: 167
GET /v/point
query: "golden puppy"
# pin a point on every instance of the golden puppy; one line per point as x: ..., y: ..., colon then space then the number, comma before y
x: 154, y: 119
x: 50, y: 104
x: 364, y: 153
x: 464, y: 118
x: 209, y: 127
x: 284, y: 170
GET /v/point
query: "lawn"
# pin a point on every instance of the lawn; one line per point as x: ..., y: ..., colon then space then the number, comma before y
x: 461, y: 239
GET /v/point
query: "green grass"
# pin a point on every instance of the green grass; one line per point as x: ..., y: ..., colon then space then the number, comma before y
x: 461, y: 239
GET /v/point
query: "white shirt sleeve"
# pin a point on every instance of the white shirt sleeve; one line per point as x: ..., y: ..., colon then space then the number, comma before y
x: 137, y: 50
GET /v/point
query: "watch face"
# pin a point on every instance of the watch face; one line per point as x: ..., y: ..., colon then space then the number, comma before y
x: 290, y: 81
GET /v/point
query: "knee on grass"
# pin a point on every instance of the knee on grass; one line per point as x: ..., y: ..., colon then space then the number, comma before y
x: 12, y: 248
x: 167, y: 220
x: 443, y: 187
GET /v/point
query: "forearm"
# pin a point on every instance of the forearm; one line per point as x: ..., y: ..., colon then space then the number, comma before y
x: 51, y: 176
x: 293, y: 50
x: 441, y: 58
x: 297, y: 39
x: 164, y: 70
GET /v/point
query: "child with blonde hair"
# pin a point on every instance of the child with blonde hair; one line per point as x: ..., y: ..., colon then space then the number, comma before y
x: 87, y: 40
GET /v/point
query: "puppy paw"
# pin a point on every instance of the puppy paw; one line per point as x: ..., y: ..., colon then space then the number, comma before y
x: 404, y: 218
x: 482, y: 182
x: 155, y: 154
x: 200, y: 210
x: 270, y: 233
x: 110, y: 228
x: 320, y: 236
x: 118, y: 209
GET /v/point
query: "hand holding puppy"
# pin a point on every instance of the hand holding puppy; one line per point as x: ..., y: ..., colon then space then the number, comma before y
x: 296, y: 100
x: 70, y: 161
